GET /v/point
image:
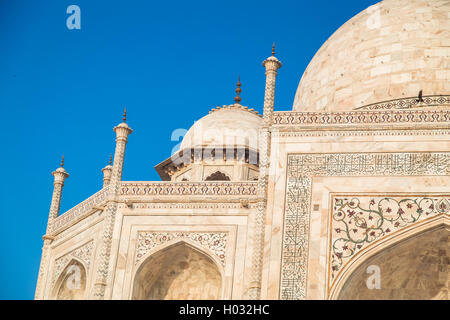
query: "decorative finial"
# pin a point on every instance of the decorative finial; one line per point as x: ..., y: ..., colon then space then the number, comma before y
x: 62, y: 162
x: 238, y: 99
x: 125, y: 115
x: 273, y: 49
x: 110, y: 159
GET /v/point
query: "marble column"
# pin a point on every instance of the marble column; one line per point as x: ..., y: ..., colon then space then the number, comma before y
x: 103, y: 270
x: 60, y: 176
x: 272, y: 64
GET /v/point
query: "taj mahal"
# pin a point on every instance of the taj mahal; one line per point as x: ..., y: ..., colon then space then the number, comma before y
x: 353, y: 184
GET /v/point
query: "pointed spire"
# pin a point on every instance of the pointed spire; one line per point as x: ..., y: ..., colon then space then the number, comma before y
x: 125, y: 115
x: 110, y: 159
x: 273, y: 50
x: 62, y: 162
x: 238, y: 99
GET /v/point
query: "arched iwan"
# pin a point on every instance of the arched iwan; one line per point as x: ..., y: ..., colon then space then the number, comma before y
x: 411, y: 265
x: 71, y: 283
x: 179, y: 271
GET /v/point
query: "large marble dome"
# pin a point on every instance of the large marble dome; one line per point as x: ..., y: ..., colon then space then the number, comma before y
x: 392, y: 50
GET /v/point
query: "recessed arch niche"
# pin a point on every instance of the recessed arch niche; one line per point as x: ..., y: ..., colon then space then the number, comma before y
x: 218, y: 176
x: 416, y: 268
x: 178, y: 272
x: 71, y: 284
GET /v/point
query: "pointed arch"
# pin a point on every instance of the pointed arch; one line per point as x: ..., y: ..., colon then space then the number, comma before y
x: 398, y: 258
x: 218, y: 176
x: 71, y: 282
x: 177, y: 270
x: 162, y: 247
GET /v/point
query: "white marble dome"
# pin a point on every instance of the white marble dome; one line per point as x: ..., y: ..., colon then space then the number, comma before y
x: 233, y: 125
x: 392, y: 50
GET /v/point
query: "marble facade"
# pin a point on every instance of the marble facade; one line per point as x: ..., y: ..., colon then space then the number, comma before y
x: 285, y: 205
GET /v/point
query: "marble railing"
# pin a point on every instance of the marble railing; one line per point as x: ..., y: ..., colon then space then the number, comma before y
x: 205, y: 189
x: 408, y: 103
x: 362, y: 117
x: 80, y: 210
x: 222, y: 188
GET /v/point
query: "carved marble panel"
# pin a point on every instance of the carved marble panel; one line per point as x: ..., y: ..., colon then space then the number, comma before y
x: 215, y: 242
x: 301, y: 168
x: 83, y: 254
x: 358, y: 221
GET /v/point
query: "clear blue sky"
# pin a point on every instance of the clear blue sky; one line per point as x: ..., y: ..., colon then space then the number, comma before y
x: 169, y: 62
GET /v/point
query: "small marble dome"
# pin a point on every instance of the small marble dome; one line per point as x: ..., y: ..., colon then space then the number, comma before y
x: 221, y: 146
x: 232, y: 125
x: 392, y: 50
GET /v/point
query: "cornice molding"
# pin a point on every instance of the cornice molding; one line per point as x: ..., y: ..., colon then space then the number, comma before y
x: 310, y: 120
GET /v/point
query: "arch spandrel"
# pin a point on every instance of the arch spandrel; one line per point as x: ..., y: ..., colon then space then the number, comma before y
x: 412, y: 266
x: 359, y: 226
